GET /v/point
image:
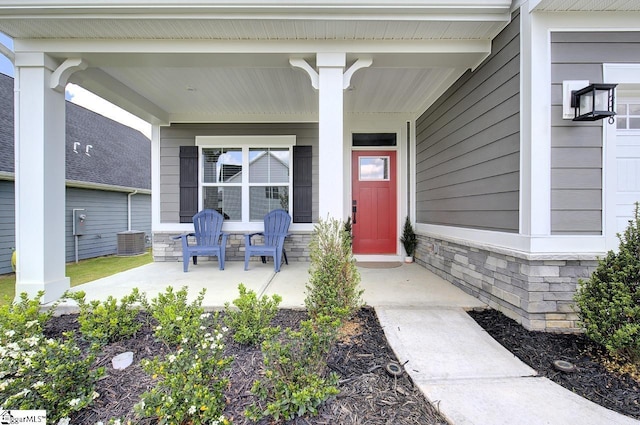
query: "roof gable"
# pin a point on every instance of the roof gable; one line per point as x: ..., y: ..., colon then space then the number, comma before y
x: 98, y: 149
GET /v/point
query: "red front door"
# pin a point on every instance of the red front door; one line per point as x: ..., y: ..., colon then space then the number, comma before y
x: 374, y: 202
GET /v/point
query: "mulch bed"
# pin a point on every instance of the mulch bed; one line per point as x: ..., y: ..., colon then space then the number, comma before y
x: 618, y: 392
x: 368, y: 395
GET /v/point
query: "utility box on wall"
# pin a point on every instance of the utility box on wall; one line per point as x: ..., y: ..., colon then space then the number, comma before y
x: 79, y: 221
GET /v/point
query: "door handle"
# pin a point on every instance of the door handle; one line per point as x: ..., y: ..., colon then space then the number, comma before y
x: 354, y: 210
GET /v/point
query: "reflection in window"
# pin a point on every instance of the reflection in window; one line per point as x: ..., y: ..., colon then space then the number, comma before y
x: 374, y: 168
x: 263, y: 199
x: 266, y: 188
x: 226, y: 200
x: 268, y: 165
x: 628, y: 115
x: 222, y: 165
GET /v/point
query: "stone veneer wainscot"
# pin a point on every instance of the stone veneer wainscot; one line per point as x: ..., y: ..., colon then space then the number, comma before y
x: 167, y: 249
x: 535, y: 290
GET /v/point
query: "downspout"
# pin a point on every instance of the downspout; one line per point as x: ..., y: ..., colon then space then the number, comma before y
x: 129, y: 209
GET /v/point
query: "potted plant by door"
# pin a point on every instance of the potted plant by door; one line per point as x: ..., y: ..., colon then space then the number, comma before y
x: 409, y: 240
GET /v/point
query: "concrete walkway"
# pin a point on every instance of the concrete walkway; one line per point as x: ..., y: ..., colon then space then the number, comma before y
x: 471, y: 378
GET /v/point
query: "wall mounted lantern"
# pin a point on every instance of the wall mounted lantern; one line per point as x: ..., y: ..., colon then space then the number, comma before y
x: 594, y: 102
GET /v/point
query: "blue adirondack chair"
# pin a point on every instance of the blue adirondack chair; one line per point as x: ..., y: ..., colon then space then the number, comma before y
x: 276, y: 226
x: 210, y: 240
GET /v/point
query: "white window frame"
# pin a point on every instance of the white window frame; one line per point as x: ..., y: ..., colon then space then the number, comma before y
x: 245, y: 143
x: 626, y: 101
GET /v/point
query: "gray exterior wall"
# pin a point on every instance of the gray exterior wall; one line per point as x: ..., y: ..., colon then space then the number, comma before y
x: 468, y: 145
x: 106, y: 216
x: 176, y: 135
x: 576, y: 147
x: 7, y: 225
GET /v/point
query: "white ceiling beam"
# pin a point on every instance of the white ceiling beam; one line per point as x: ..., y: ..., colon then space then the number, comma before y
x: 301, y: 47
x: 102, y: 84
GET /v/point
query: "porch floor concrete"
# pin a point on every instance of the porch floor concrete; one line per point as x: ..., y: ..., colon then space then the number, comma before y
x: 471, y: 378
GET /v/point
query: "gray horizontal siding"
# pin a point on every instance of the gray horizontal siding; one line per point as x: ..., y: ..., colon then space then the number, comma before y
x: 141, y: 213
x: 176, y: 135
x: 7, y: 225
x: 468, y: 145
x: 106, y: 216
x: 576, y: 153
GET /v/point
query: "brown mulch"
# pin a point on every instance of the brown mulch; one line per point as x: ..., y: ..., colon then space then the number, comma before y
x: 592, y: 380
x: 368, y: 395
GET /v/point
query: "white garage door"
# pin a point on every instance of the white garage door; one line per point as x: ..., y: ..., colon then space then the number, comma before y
x: 628, y: 159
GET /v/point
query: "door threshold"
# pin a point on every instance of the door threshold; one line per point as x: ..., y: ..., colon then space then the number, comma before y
x: 376, y: 258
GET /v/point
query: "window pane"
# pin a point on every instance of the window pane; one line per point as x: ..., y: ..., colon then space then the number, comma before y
x: 222, y: 165
x: 269, y: 165
x: 263, y: 199
x: 634, y: 123
x: 621, y: 123
x: 621, y: 109
x: 374, y: 168
x: 634, y: 109
x: 224, y: 199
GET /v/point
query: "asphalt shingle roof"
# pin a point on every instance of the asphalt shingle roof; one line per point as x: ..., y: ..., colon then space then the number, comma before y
x: 98, y: 149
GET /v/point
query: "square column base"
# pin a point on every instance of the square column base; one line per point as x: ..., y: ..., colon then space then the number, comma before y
x: 53, y: 289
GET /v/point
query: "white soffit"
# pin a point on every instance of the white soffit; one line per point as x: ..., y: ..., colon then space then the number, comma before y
x: 209, y: 60
x: 588, y: 5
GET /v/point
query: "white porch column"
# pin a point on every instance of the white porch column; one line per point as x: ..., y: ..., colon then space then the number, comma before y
x: 331, y: 122
x: 40, y: 178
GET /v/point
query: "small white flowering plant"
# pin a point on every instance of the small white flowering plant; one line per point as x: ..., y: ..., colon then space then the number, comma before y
x: 40, y: 373
x: 176, y: 317
x: 190, y: 382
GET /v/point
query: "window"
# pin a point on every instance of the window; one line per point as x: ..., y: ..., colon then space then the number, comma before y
x: 628, y: 115
x: 245, y: 177
x: 373, y: 168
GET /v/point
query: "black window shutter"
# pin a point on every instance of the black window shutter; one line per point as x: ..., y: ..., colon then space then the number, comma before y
x: 188, y: 183
x: 302, y: 184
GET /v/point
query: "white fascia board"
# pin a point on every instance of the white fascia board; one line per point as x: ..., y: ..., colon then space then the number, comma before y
x: 75, y: 47
x: 244, y: 118
x: 4, y: 175
x: 294, y: 9
x: 106, y: 187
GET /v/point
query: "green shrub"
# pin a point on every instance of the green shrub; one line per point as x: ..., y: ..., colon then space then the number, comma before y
x: 250, y: 322
x: 108, y: 321
x: 25, y: 317
x: 609, y: 302
x: 190, y: 382
x: 334, y: 278
x: 409, y: 238
x: 295, y: 382
x: 177, y: 319
x: 40, y: 373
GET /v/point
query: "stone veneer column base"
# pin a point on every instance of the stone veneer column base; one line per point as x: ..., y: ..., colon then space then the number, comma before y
x: 535, y: 290
x: 167, y: 249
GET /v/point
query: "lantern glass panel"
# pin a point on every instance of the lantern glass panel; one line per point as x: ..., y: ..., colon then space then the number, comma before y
x: 602, y: 100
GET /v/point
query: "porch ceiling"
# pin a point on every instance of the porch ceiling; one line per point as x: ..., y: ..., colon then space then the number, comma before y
x: 229, y: 61
x: 587, y: 5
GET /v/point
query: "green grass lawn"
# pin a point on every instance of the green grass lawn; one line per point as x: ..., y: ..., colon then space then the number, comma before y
x: 83, y: 272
